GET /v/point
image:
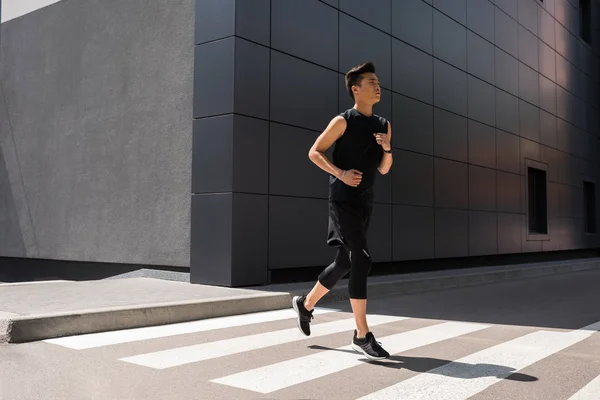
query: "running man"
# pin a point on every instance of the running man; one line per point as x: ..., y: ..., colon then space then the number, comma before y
x: 362, y: 147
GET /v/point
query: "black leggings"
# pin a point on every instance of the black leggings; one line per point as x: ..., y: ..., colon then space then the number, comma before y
x: 358, y: 264
x: 348, y: 225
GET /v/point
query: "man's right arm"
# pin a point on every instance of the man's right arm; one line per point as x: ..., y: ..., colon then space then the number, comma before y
x: 333, y: 132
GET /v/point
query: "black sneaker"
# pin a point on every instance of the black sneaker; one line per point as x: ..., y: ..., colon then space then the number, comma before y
x: 304, y: 316
x: 369, y: 347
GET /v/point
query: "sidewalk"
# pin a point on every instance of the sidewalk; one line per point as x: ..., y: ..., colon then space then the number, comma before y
x: 42, y: 310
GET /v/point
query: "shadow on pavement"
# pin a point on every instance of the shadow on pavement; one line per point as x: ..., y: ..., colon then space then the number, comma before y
x: 429, y: 365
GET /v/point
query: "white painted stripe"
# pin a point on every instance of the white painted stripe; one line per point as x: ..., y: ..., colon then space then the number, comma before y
x: 92, y: 340
x: 12, y: 9
x: 591, y: 391
x: 474, y: 373
x: 292, y: 372
x: 206, y: 351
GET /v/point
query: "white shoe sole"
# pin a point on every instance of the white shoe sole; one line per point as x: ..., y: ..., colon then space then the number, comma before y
x: 361, y: 351
x: 295, y: 307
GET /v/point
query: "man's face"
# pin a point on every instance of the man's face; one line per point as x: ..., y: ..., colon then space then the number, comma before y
x: 369, y: 90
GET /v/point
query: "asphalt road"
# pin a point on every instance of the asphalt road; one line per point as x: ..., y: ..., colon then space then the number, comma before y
x: 527, y: 339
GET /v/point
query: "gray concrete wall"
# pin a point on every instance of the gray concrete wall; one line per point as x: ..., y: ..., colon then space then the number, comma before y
x: 96, y: 132
x: 473, y: 89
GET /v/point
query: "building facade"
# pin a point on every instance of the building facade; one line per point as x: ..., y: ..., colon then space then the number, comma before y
x: 152, y: 133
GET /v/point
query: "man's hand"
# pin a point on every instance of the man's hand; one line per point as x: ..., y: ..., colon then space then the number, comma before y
x: 351, y: 177
x: 387, y: 159
x: 383, y: 140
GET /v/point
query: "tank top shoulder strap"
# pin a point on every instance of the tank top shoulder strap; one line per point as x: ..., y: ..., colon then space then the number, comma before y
x: 346, y: 114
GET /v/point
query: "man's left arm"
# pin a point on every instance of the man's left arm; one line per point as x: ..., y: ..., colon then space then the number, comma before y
x: 385, y: 140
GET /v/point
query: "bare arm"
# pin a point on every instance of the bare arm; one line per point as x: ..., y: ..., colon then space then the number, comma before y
x: 333, y: 132
x: 387, y: 160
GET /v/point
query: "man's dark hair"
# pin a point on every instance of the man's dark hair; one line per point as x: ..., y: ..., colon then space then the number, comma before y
x: 354, y: 76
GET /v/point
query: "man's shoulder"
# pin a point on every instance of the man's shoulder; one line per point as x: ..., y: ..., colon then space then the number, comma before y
x: 352, y: 113
x: 349, y: 113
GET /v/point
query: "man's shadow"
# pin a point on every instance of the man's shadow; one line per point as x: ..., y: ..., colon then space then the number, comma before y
x: 459, y: 370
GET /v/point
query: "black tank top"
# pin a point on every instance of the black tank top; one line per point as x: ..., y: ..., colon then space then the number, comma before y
x: 357, y: 149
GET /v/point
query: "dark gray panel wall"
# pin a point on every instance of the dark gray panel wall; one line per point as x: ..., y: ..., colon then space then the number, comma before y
x: 98, y: 148
x: 231, y: 140
x: 472, y: 88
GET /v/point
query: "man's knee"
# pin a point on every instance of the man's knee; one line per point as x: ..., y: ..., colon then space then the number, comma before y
x: 361, y: 259
x: 332, y: 274
x: 342, y: 259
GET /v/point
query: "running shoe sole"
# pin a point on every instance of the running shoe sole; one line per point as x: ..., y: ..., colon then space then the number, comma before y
x: 359, y: 349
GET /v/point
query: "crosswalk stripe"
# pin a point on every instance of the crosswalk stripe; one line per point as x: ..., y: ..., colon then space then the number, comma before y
x: 93, y: 340
x: 474, y: 373
x: 591, y: 391
x: 206, y: 351
x: 292, y: 372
